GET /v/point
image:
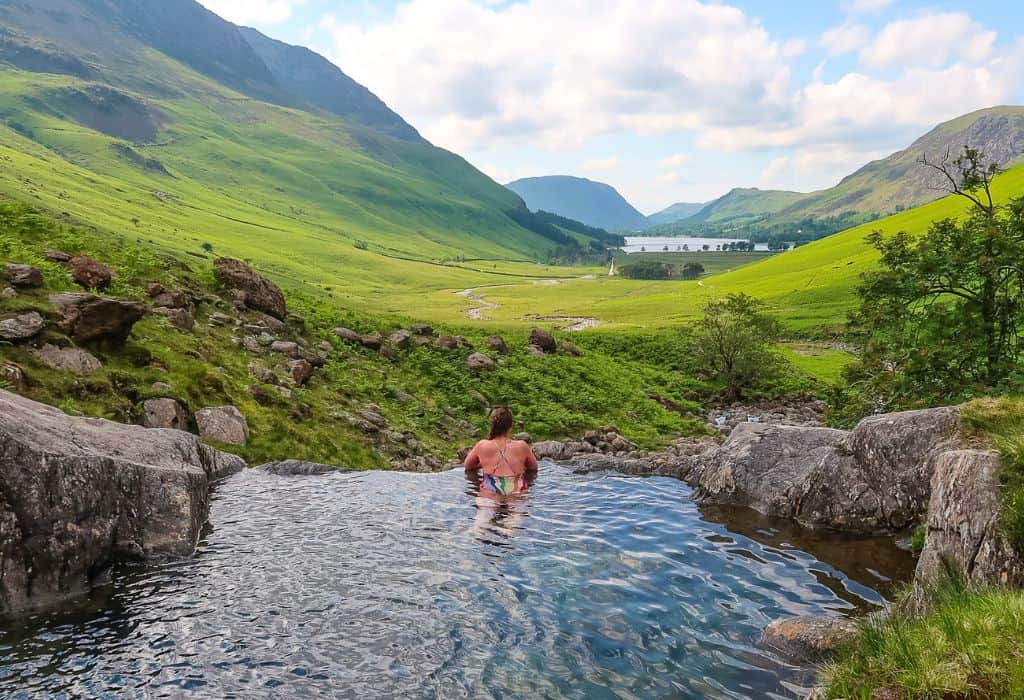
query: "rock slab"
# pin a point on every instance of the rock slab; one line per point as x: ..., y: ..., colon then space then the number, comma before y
x: 21, y: 327
x: 77, y: 361
x: 78, y: 494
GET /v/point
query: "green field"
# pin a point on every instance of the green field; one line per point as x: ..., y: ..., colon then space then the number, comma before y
x: 714, y: 262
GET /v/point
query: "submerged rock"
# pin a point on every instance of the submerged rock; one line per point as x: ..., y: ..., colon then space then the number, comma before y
x: 810, y: 638
x: 294, y: 467
x: 79, y: 494
x: 252, y: 289
x: 224, y: 424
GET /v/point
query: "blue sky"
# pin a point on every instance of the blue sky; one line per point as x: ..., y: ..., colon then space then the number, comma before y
x: 667, y: 100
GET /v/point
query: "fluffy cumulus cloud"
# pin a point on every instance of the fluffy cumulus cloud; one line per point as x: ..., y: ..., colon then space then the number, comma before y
x: 478, y: 75
x: 253, y: 11
x: 558, y: 72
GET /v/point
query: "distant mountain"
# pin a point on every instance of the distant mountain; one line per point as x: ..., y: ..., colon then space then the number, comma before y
x: 744, y: 204
x: 674, y: 213
x: 164, y: 96
x: 592, y: 203
x: 900, y: 182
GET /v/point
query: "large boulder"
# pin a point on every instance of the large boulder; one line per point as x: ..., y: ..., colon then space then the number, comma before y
x: 544, y: 340
x: 224, y: 424
x: 22, y: 326
x: 963, y: 526
x: 875, y: 479
x: 24, y: 276
x: 90, y: 274
x: 79, y: 494
x: 91, y: 319
x: 77, y: 361
x: 251, y: 288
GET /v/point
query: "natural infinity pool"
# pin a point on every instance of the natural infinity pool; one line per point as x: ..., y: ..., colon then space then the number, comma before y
x: 379, y: 585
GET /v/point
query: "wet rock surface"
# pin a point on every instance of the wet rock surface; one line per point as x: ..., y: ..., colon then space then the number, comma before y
x: 294, y: 467
x: 81, y: 493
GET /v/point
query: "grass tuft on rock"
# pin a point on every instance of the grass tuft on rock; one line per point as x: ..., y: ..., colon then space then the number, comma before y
x: 970, y: 645
x: 1000, y: 422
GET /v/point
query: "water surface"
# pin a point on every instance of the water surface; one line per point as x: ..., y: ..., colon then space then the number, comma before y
x: 376, y: 585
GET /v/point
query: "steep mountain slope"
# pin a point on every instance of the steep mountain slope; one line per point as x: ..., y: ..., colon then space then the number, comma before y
x: 193, y: 138
x: 319, y: 82
x: 900, y: 182
x: 743, y: 204
x: 593, y: 203
x: 674, y: 213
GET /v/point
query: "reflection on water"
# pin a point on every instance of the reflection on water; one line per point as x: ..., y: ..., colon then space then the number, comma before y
x: 381, y: 585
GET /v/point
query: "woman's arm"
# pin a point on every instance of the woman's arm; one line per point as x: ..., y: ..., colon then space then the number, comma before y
x: 472, y: 462
x: 531, y: 460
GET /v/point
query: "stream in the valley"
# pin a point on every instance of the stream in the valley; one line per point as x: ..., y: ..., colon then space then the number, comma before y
x: 380, y: 585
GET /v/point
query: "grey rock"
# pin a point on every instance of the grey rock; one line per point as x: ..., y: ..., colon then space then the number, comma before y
x: 224, y: 424
x: 570, y: 349
x: 400, y: 339
x: 875, y: 479
x: 535, y: 351
x: 478, y: 362
x: 523, y: 437
x: 164, y: 413
x: 348, y: 334
x: 79, y: 494
x: 452, y: 342
x: 963, y: 523
x: 161, y: 386
x: 265, y: 339
x: 423, y: 329
x: 551, y: 450
x: 57, y: 256
x: 285, y: 347
x: 810, y: 638
x: 24, y: 276
x: 8, y: 293
x: 172, y: 300
x: 219, y: 319
x: 21, y: 327
x: 181, y: 319
x: 77, y: 361
x: 263, y: 374
x: 252, y: 345
x: 373, y: 341
x: 13, y: 375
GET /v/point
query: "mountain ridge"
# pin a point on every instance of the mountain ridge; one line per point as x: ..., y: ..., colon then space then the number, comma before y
x: 587, y: 201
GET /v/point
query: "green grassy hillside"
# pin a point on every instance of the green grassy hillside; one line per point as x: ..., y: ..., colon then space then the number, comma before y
x: 743, y: 204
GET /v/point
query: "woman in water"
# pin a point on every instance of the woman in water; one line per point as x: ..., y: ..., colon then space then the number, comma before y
x: 506, y: 465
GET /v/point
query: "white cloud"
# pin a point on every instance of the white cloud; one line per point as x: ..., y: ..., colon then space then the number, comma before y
x: 253, y: 11
x: 844, y: 39
x: 676, y: 161
x: 473, y: 75
x: 865, y: 6
x: 667, y: 178
x: 602, y: 164
x: 929, y: 40
x: 809, y: 169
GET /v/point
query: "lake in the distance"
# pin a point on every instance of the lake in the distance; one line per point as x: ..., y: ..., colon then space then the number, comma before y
x: 384, y: 585
x: 640, y: 244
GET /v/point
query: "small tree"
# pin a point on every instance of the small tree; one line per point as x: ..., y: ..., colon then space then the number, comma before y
x: 940, y: 320
x: 208, y: 247
x: 735, y: 340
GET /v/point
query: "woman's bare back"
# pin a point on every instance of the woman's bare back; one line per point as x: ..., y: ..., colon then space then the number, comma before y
x: 502, y: 457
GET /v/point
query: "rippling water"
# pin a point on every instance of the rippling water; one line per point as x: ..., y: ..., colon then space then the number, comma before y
x: 372, y: 585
